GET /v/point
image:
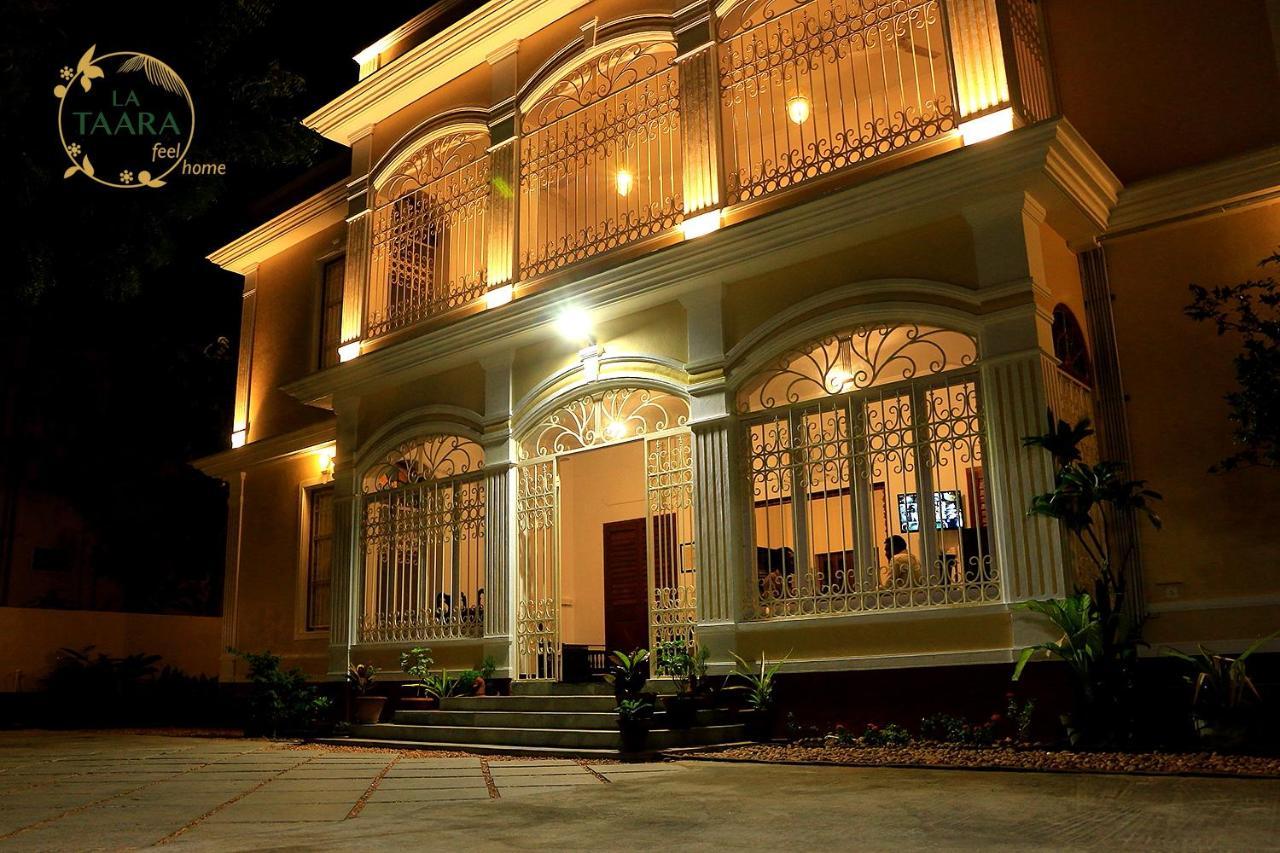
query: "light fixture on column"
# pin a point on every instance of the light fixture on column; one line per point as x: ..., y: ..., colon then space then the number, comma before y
x: 798, y: 109
x: 703, y: 223
x: 347, y: 352
x: 625, y: 180
x: 987, y: 127
x: 574, y: 324
x: 324, y: 461
x: 498, y: 296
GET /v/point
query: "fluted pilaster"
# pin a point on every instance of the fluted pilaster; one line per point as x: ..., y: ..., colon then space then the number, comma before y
x: 504, y: 173
x: 355, y: 289
x: 700, y: 130
x: 717, y: 545
x: 499, y: 494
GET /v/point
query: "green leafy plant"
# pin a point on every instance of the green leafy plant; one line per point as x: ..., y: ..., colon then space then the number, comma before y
x: 686, y: 667
x: 759, y: 681
x: 280, y: 701
x: 488, y: 667
x: 1100, y: 638
x: 946, y: 728
x: 416, y: 663
x: 634, y: 712
x: 437, y: 685
x: 1223, y: 696
x: 891, y: 734
x: 628, y: 673
x: 361, y: 677
x: 1020, y: 714
x: 464, y: 683
x: 1250, y: 310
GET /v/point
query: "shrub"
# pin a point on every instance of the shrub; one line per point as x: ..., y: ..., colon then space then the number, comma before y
x: 891, y: 734
x: 280, y: 702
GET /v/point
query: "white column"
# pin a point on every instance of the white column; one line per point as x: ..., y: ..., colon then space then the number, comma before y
x: 348, y: 564
x: 1029, y: 549
x: 500, y: 512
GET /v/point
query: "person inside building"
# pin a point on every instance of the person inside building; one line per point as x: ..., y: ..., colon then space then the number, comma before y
x: 902, y: 569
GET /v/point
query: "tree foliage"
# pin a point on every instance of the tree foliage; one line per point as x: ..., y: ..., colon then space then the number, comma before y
x: 1250, y: 310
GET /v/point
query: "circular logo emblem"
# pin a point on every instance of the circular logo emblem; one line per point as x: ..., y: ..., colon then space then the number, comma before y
x: 125, y: 119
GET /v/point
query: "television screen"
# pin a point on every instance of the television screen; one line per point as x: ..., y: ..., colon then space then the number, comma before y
x: 947, y: 511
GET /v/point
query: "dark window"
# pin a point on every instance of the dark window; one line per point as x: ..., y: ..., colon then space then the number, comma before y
x: 319, y: 556
x: 331, y: 311
x: 1069, y: 346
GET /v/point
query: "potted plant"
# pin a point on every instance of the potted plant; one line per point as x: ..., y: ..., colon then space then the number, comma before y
x: 759, y: 686
x: 487, y: 668
x: 416, y: 664
x: 634, y: 719
x: 367, y: 709
x: 469, y: 683
x: 628, y: 673
x: 676, y: 661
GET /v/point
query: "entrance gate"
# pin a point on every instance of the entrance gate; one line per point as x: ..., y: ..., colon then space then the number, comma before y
x: 598, y: 419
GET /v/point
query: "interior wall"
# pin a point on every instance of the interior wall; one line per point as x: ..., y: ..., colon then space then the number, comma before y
x: 596, y: 487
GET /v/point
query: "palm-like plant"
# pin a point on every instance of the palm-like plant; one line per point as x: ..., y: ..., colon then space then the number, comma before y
x: 628, y: 673
x: 759, y: 681
x: 1081, y: 642
x: 1222, y: 691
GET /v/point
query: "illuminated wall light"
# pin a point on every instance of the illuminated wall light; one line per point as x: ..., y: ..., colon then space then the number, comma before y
x: 239, y: 437
x: 498, y: 296
x: 625, y: 180
x: 836, y: 380
x: 324, y: 460
x: 347, y: 352
x: 574, y: 324
x: 703, y: 223
x: 615, y: 430
x: 987, y: 127
x: 798, y: 109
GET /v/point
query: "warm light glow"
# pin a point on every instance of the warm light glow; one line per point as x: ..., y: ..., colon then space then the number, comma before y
x: 324, y: 459
x: 836, y: 380
x: 498, y: 296
x: 239, y: 437
x: 574, y: 324
x: 987, y: 127
x: 615, y: 430
x: 703, y: 223
x: 346, y: 352
x: 798, y: 109
x: 624, y: 182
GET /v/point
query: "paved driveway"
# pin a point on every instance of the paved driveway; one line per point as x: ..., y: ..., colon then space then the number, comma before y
x: 78, y: 791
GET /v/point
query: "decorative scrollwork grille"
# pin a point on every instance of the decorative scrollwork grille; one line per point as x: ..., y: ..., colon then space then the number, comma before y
x: 837, y: 518
x: 602, y: 418
x: 672, y: 574
x: 423, y: 537
x: 600, y: 158
x: 430, y: 233
x: 811, y: 87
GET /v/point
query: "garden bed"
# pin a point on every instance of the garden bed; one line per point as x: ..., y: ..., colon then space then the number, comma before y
x: 954, y: 757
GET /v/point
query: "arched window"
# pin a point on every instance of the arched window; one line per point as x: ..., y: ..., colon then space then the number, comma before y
x: 600, y: 156
x: 429, y: 233
x: 843, y: 437
x: 811, y: 86
x: 423, y: 537
x: 1069, y: 345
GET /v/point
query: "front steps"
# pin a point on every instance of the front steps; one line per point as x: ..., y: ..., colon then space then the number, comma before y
x: 541, y: 718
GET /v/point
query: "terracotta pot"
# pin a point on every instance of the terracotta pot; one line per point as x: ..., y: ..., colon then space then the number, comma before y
x: 419, y: 703
x: 477, y: 686
x: 368, y: 709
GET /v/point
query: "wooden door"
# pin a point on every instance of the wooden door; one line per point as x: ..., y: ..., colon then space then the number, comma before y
x: 626, y: 583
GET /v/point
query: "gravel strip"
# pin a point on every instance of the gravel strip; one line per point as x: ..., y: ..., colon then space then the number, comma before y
x: 946, y: 756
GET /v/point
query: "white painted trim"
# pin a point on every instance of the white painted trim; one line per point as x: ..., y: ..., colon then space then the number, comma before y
x: 908, y: 660
x: 1201, y: 190
x: 422, y: 69
x: 322, y: 210
x: 923, y: 614
x: 1235, y: 602
x: 275, y: 448
x: 435, y: 419
x: 547, y: 394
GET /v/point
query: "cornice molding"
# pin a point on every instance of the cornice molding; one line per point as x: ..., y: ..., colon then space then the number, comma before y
x: 1048, y: 160
x: 283, y: 446
x: 325, y: 208
x: 424, y: 68
x: 1249, y: 178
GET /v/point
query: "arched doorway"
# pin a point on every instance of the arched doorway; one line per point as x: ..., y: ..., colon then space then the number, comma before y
x: 609, y: 417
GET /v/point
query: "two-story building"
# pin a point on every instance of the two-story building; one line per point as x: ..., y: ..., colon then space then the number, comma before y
x: 725, y: 321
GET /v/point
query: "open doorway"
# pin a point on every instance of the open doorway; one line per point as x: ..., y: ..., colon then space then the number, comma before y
x: 604, y: 584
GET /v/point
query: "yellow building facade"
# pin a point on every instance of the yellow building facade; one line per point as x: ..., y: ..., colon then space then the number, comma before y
x: 724, y: 323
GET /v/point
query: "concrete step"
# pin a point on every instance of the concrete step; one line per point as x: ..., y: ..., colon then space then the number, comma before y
x: 561, y: 688
x: 542, y: 719
x: 584, y: 702
x: 467, y: 737
x: 481, y: 749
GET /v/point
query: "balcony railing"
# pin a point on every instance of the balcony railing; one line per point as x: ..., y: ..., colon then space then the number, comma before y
x: 811, y: 87
x: 600, y: 158
x: 625, y: 143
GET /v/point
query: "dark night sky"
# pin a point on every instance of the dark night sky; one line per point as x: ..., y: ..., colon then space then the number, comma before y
x: 112, y: 372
